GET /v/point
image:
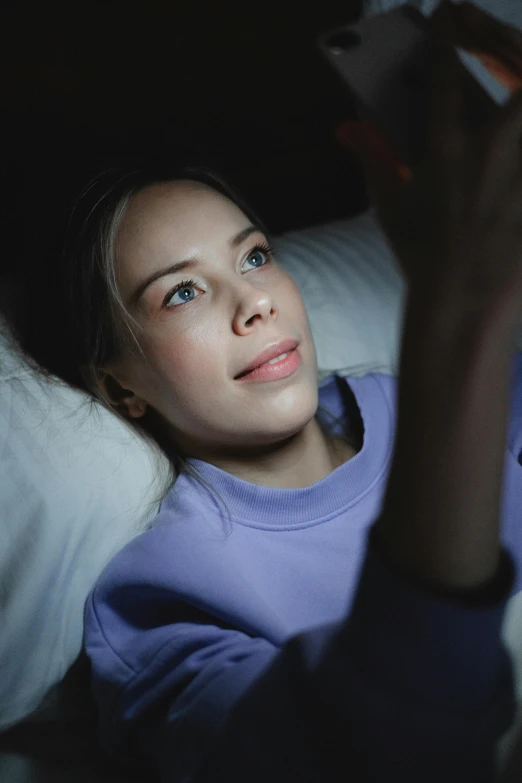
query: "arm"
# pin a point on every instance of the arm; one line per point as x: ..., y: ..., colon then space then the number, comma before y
x: 417, y: 680
x: 453, y: 408
x: 457, y: 234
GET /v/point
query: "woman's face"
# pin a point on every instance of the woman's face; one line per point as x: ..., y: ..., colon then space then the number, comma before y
x: 233, y: 301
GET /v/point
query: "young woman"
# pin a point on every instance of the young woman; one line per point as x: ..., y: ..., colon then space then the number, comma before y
x: 321, y: 595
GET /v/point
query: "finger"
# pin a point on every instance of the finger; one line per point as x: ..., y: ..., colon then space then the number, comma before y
x: 503, y: 155
x: 507, y: 135
x: 478, y: 30
x: 498, y: 45
x: 444, y: 20
x: 489, y: 29
x: 384, y: 174
x: 375, y: 155
x: 512, y: 212
x: 506, y: 75
x: 446, y: 136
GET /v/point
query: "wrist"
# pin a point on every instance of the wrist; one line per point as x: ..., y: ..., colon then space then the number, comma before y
x: 442, y: 505
x: 443, y: 309
x: 446, y: 341
x: 483, y: 593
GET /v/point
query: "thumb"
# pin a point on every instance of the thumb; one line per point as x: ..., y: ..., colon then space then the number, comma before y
x: 384, y: 171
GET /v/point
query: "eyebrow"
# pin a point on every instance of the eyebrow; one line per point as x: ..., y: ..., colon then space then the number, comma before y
x: 234, y: 242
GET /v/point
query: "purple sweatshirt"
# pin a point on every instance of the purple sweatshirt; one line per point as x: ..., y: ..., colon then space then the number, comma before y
x: 278, y: 645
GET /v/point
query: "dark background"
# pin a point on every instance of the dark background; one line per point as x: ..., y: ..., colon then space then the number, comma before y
x: 85, y: 84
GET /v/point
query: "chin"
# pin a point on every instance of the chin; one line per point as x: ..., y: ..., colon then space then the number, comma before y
x: 291, y: 421
x: 303, y: 396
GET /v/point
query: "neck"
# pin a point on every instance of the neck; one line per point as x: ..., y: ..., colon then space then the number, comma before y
x: 300, y: 461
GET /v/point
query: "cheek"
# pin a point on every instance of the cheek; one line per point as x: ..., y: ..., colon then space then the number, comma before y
x: 187, y: 363
x: 291, y: 291
x: 299, y: 316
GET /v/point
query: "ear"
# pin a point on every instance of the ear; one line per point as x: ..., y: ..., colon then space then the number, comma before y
x: 125, y: 400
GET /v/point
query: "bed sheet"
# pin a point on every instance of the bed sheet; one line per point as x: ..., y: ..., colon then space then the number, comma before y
x: 18, y: 768
x: 61, y: 752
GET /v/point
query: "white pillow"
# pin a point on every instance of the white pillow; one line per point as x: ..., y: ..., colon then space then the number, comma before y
x: 74, y: 488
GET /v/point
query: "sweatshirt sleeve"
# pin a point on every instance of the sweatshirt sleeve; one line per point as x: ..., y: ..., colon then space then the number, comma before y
x: 412, y: 686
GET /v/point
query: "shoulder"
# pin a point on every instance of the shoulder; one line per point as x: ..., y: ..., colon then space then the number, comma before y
x: 167, y: 556
x: 159, y: 577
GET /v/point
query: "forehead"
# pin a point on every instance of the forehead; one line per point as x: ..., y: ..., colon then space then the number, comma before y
x: 177, y: 217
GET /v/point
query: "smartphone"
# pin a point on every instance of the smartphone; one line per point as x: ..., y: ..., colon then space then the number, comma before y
x: 385, y: 63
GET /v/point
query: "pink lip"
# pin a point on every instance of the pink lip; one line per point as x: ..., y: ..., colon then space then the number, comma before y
x: 284, y: 346
x: 273, y: 372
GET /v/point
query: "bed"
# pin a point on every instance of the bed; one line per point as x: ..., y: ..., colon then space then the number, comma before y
x: 76, y: 485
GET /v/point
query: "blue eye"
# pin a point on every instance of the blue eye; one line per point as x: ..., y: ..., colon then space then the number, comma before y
x: 184, y: 291
x: 259, y: 255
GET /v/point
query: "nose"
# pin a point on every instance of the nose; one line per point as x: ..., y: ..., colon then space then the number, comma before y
x: 254, y: 304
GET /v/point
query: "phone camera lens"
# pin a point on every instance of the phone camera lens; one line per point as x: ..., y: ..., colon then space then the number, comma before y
x: 343, y: 40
